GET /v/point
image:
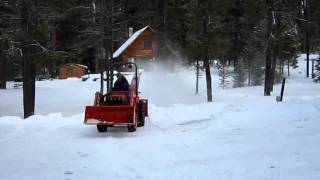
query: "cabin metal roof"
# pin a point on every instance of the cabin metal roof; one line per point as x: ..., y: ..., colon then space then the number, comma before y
x: 131, y: 39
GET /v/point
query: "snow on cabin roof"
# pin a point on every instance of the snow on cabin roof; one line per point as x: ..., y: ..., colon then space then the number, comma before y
x: 75, y: 64
x: 86, y: 67
x: 132, y: 38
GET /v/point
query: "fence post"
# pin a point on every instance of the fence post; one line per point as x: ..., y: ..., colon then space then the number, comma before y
x: 279, y: 98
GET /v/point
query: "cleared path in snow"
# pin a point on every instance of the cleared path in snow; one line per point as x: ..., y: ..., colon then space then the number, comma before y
x: 237, y: 141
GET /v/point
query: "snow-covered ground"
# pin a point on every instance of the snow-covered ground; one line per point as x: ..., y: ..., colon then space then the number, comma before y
x: 241, y: 135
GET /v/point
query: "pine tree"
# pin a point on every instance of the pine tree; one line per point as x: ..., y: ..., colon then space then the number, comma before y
x: 200, y: 36
x: 239, y: 74
x: 223, y: 75
x: 257, y: 73
x: 317, y: 72
x: 8, y: 28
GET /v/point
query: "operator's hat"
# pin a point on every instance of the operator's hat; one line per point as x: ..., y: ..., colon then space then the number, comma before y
x: 119, y: 74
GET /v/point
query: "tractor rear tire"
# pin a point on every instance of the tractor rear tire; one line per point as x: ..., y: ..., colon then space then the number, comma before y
x: 141, y: 116
x: 102, y: 128
x: 132, y: 128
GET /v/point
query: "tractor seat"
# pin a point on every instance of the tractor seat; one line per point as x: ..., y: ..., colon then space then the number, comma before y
x: 117, y: 99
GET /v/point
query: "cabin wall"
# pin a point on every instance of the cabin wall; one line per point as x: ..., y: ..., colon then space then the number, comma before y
x: 137, y: 49
x: 71, y: 71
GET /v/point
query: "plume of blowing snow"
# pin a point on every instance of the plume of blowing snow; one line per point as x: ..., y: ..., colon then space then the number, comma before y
x: 165, y: 87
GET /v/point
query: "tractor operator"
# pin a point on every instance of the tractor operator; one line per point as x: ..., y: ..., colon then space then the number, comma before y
x: 121, y: 83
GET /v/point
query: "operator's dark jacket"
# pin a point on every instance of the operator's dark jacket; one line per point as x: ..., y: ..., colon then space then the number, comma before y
x: 121, y: 85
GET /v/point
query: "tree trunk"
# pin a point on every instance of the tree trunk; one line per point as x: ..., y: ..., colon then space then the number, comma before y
x: 276, y: 57
x: 208, y: 75
x: 197, y: 77
x: 206, y: 59
x: 28, y: 85
x: 249, y: 73
x: 236, y: 43
x: 282, y: 67
x: 28, y: 66
x: 3, y: 73
x: 288, y: 66
x: 306, y: 13
x: 268, y: 68
x: 52, y: 65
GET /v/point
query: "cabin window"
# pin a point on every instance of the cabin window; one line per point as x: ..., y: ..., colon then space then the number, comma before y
x: 147, y: 44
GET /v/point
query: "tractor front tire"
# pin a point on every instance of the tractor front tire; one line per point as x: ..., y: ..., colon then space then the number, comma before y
x: 141, y: 116
x: 132, y: 128
x: 102, y: 128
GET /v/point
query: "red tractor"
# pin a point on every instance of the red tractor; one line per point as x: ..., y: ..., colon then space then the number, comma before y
x: 118, y: 108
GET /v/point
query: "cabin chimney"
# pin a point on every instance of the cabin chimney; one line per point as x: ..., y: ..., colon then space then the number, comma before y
x: 130, y: 31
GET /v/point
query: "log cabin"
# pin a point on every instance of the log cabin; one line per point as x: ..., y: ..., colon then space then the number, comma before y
x: 72, y: 70
x: 141, y: 47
